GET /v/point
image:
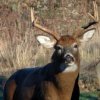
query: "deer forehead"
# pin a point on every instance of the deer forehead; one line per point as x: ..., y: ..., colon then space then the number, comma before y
x: 66, y: 41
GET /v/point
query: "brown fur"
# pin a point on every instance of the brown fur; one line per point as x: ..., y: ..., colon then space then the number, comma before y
x: 11, y: 89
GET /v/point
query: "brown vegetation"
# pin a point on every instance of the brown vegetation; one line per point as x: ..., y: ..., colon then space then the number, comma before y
x: 18, y: 47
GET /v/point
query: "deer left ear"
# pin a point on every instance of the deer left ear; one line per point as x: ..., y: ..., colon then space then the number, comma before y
x: 46, y: 41
x: 87, y: 35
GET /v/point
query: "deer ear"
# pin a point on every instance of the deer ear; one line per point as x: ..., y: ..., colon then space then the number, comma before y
x: 45, y: 41
x: 87, y: 35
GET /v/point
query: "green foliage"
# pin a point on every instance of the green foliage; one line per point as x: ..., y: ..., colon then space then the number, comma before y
x: 2, y: 80
x: 89, y: 96
x: 1, y: 95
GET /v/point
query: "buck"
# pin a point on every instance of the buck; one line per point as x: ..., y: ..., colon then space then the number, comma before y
x: 57, y: 80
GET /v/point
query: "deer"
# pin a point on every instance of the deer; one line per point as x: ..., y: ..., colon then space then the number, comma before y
x: 58, y: 80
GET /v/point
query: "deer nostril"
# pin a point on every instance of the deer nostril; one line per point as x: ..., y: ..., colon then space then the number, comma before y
x: 69, y: 58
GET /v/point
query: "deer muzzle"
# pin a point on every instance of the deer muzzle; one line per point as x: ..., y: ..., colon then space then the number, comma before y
x: 69, y: 58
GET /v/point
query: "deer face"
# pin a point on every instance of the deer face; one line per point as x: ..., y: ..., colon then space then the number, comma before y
x: 66, y: 50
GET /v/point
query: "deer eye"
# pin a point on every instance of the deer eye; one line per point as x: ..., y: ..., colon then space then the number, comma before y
x: 75, y: 46
x: 58, y: 47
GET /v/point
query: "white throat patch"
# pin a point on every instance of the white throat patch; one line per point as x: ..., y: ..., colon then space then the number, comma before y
x: 71, y: 67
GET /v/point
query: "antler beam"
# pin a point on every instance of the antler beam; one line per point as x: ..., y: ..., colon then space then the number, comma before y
x: 35, y: 24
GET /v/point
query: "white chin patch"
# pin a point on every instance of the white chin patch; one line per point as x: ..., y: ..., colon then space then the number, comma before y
x: 72, y: 67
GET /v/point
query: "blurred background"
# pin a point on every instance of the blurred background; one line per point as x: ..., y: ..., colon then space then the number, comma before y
x: 19, y: 48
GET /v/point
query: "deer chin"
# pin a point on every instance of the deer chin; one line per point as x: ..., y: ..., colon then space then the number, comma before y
x: 69, y: 67
x: 69, y: 63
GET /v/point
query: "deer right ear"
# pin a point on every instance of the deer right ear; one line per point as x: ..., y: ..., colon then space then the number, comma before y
x: 45, y: 41
x: 87, y: 35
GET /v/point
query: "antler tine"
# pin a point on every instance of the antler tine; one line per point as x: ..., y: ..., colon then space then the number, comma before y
x: 95, y: 17
x: 35, y: 24
x: 32, y: 15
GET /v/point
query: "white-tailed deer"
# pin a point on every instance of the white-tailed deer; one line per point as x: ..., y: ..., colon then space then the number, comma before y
x: 57, y: 80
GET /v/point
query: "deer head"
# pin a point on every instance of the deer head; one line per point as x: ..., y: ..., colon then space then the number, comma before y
x: 66, y: 47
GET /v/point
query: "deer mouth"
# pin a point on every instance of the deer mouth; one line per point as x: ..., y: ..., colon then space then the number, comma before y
x: 69, y: 59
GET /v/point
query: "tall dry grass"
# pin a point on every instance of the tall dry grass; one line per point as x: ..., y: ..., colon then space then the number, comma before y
x: 21, y: 55
x: 18, y: 47
x: 90, y: 55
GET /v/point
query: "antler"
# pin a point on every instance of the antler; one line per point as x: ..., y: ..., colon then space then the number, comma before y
x: 35, y: 24
x: 95, y: 17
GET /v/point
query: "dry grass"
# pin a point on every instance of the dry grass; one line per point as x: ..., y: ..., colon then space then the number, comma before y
x: 18, y: 47
x: 22, y: 54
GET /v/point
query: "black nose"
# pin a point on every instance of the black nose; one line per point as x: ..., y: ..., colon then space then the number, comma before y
x: 69, y: 58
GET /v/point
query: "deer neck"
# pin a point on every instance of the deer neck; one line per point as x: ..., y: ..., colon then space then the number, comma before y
x: 66, y: 81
